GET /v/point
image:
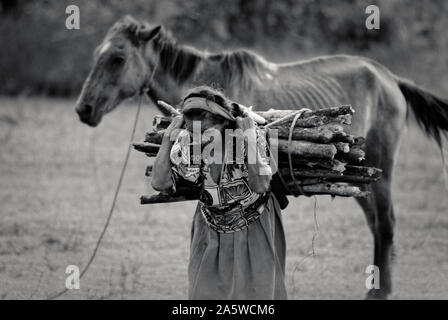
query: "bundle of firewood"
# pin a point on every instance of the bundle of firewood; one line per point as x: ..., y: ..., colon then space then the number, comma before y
x: 324, y: 158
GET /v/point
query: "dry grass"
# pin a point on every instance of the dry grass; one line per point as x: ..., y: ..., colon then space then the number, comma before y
x: 58, y: 178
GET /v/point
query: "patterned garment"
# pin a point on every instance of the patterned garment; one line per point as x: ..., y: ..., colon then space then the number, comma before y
x: 228, y: 206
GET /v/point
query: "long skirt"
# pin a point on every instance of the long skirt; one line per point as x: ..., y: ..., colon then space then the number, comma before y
x: 246, y: 264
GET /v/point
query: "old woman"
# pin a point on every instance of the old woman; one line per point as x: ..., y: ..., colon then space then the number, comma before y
x: 237, y: 237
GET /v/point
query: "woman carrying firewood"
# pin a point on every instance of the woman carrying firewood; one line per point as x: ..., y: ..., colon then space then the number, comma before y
x: 237, y: 239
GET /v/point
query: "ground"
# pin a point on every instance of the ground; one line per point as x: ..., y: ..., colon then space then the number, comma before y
x: 57, y: 181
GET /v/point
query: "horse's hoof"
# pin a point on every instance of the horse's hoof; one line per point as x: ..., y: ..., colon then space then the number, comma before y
x: 376, y: 294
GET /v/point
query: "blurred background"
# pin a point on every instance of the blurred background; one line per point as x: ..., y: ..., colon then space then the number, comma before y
x: 57, y: 176
x: 40, y: 56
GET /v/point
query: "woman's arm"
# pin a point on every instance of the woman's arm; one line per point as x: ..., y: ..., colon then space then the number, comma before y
x: 161, y: 179
x: 259, y: 171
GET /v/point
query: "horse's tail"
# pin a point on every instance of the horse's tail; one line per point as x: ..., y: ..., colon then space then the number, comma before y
x: 431, y: 112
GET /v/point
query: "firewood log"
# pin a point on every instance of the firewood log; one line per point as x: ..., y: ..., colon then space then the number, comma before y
x: 150, y: 149
x: 161, y: 122
x: 322, y: 134
x: 155, y: 137
x: 164, y: 197
x: 274, y: 114
x: 342, y: 147
x: 333, y: 189
x: 363, y: 171
x: 332, y: 165
x: 355, y: 155
x: 307, y: 149
x: 326, y: 175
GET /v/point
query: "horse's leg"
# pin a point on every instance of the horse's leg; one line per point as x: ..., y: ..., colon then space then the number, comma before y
x: 382, y: 239
x: 379, y: 208
x: 368, y: 207
x: 383, y: 235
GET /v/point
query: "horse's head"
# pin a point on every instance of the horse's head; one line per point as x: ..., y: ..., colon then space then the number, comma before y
x: 120, y: 69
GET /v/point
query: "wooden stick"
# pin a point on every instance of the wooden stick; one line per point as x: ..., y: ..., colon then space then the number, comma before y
x: 148, y: 148
x: 168, y: 108
x: 333, y: 165
x: 161, y: 122
x: 355, y: 155
x: 333, y: 189
x: 343, y: 137
x: 154, y: 137
x: 344, y: 179
x: 359, y: 141
x: 330, y: 112
x: 363, y: 171
x: 162, y: 198
x: 184, y: 192
x: 311, y: 122
x: 367, y: 172
x: 325, y: 175
x: 275, y: 114
x: 322, y: 134
x: 308, y: 149
x: 342, y: 147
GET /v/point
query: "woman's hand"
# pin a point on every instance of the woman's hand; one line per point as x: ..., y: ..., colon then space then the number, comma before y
x: 177, y: 123
x: 247, y: 126
x: 161, y: 177
x: 245, y: 123
x: 259, y: 173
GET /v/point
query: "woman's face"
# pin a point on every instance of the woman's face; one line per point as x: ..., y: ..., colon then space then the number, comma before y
x: 207, y: 120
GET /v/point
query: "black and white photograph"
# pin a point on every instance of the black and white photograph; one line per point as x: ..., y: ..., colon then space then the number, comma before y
x: 239, y: 150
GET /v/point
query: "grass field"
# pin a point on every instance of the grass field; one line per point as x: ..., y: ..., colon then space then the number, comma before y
x: 57, y: 181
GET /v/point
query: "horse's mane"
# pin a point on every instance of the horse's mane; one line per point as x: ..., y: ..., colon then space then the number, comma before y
x: 242, y: 65
x: 179, y: 60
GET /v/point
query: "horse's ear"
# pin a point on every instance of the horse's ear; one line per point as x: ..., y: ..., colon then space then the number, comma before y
x: 146, y: 34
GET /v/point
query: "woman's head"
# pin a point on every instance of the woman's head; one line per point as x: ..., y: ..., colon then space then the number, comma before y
x: 210, y: 107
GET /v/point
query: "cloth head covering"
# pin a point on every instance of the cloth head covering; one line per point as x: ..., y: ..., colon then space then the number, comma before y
x: 193, y: 103
x: 229, y: 113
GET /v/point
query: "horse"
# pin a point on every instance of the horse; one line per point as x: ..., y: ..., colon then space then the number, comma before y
x: 139, y: 58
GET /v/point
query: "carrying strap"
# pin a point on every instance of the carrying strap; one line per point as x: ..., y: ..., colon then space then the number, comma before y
x: 298, y: 188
